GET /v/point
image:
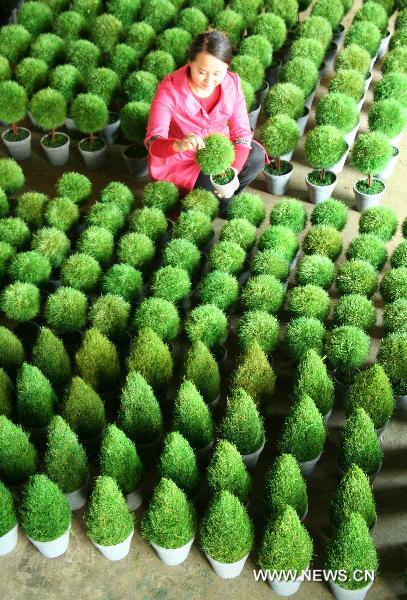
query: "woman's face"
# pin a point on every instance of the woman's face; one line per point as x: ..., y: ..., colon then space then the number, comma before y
x: 207, y: 71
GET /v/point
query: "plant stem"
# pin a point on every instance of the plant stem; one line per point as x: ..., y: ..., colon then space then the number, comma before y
x: 92, y: 137
x: 14, y: 128
x: 369, y: 180
x: 278, y: 163
x: 322, y: 174
x: 52, y: 135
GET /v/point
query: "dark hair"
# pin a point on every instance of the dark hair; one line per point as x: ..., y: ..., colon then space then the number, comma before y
x: 214, y: 42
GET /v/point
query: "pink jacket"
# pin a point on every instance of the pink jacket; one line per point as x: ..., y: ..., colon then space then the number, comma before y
x: 175, y: 113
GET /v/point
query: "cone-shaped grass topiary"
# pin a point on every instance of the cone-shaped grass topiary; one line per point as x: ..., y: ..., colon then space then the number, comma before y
x: 279, y: 135
x: 11, y: 350
x: 52, y: 243
x: 6, y: 394
x: 18, y: 456
x: 119, y: 459
x: 30, y: 267
x: 32, y: 74
x: 62, y: 214
x: 247, y: 206
x: 139, y: 414
x: 149, y: 221
x: 272, y: 27
x: 97, y: 360
x: 84, y: 55
x: 135, y: 249
x: 359, y: 443
x: 308, y: 48
x: 178, y: 462
x: 80, y: 271
x: 352, y: 550
x: 249, y: 68
x: 171, y: 283
x: 90, y: 115
x: 380, y: 221
x: 45, y: 513
x: 347, y: 348
x: 357, y: 310
x: 108, y: 520
x: 227, y: 257
x: 230, y: 22
x: 227, y: 471
x: 151, y: 357
x: 391, y: 356
x: 8, y: 510
x: 254, y: 374
x: 220, y: 289
x: 312, y: 379
x: 66, y: 309
x: 323, y: 239
x: 123, y: 280
x: 263, y: 292
x: 372, y: 391
x: 110, y: 314
x: 301, y: 72
x: 15, y: 42
x: 97, y: 242
x: 170, y: 520
x: 20, y: 301
x: 353, y: 495
x: 14, y: 231
x: 286, y: 546
x: 316, y: 270
x: 206, y: 323
x: 280, y: 239
x: 270, y: 262
x: 160, y: 194
x: 160, y: 315
x: 339, y: 110
x: 35, y: 397
x: 308, y: 301
x: 227, y: 532
x: 285, y: 485
x: 75, y: 186
x: 302, y: 334
x: 290, y: 213
x: 303, y: 434
x: 192, y: 417
x: 182, y: 253
x: 65, y: 460
x: 370, y: 154
x: 202, y: 200
x: 202, y: 370
x: 356, y: 277
x: 11, y: 176
x: 365, y: 34
x: 388, y: 116
x: 242, y: 425
x: 258, y: 326
x: 259, y: 47
x: 48, y: 107
x: 395, y: 316
x: 392, y: 85
x: 239, y: 231
x: 217, y: 155
x: 393, y: 286
x: 83, y: 409
x: 287, y: 98
x: 331, y: 212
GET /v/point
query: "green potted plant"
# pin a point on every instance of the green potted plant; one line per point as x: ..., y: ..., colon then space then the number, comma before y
x: 84, y: 55
x: 356, y: 277
x: 312, y: 379
x: 11, y: 176
x: 119, y: 459
x: 215, y: 159
x: 62, y: 214
x: 227, y: 257
x: 353, y: 553
x: 247, y: 206
x: 202, y: 200
x: 171, y: 283
x: 12, y: 350
x: 163, y: 195
x: 88, y: 8
x: 230, y: 22
x: 104, y: 82
x: 286, y: 548
x: 220, y: 289
x: 123, y: 10
x: 200, y: 367
x: 32, y: 74
x: 175, y: 41
x: 290, y: 213
x: 81, y: 272
x: 66, y: 310
x: 182, y: 253
x: 150, y: 356
x: 70, y: 25
x: 20, y: 301
x: 392, y: 85
x: 255, y: 375
x: 195, y: 226
x: 356, y: 58
x: 206, y: 323
x: 133, y: 122
x: 333, y: 213
x: 123, y: 280
x: 394, y: 284
x: 390, y: 356
x: 324, y: 147
x: 14, y: 231
x: 258, y: 326
x: 370, y: 154
x: 380, y: 221
x: 84, y: 411
x: 106, y: 215
x: 243, y: 426
x: 150, y: 221
x: 251, y: 69
x: 31, y: 208
x: 303, y: 73
x: 45, y: 516
x: 75, y: 186
x: 90, y: 115
x: 106, y: 31
x: 289, y: 99
x: 285, y: 485
x: 339, y: 110
x: 9, y: 523
x: 48, y: 107
x: 135, y: 249
x: 97, y: 361
x: 227, y: 471
x: 394, y: 315
x: 30, y: 267
x: 360, y: 444
x: 309, y: 48
x: 139, y: 413
x: 66, y: 463
x: 258, y: 46
x: 52, y: 243
x: 368, y: 247
x: 353, y: 495
x: 365, y: 34
x: 18, y: 456
x: 286, y: 10
x: 263, y: 292
x: 226, y: 535
x: 13, y: 107
x: 160, y: 315
x: 333, y: 12
x: 324, y: 240
x: 109, y: 522
x: 6, y: 394
x: 355, y: 309
x: 110, y: 314
x: 35, y: 401
x: 308, y: 301
x: 388, y: 116
x: 141, y: 37
x: 274, y: 29
x: 303, y: 434
x: 170, y: 523
x: 178, y: 462
x: 279, y: 135
x: 98, y: 242
x: 49, y: 47
x: 240, y: 231
x: 270, y: 262
x: 15, y: 42
x: 315, y: 269
x: 67, y: 79
x: 347, y: 349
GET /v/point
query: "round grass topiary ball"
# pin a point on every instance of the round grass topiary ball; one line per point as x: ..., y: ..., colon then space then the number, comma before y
x: 48, y: 107
x: 207, y: 323
x: 122, y: 60
x: 62, y: 213
x: 281, y: 240
x: 226, y: 256
x: 279, y: 136
x: 49, y: 47
x: 133, y: 120
x: 301, y: 72
x: 209, y: 7
x: 195, y: 226
x: 399, y: 256
x: 160, y: 194
x: 339, y: 110
x: 288, y: 11
x: 231, y: 23
x: 249, y: 95
x: 356, y: 310
x: 368, y: 247
x: 89, y: 113
x: 202, y: 200
x: 272, y: 27
x: 52, y: 243
x: 333, y: 11
x: 373, y: 12
x: 159, y: 315
x: 109, y: 314
x: 259, y: 47
x: 380, y: 221
x: 141, y: 37
x: 11, y: 176
x: 171, y: 283
x: 5, y: 69
x: 14, y: 231
x: 220, y: 289
x: 258, y: 326
x: 75, y: 186
x: 395, y: 61
x: 247, y: 206
x: 123, y: 280
x: 393, y: 286
x: 263, y: 292
x: 182, y: 253
x: 356, y: 277
x: 395, y: 316
x: 105, y: 32
x: 103, y: 82
x: 387, y: 116
x: 308, y: 301
x: 97, y: 242
x: 353, y: 57
x: 287, y: 98
x: 249, y: 68
x: 141, y: 86
x: 66, y: 310
x: 20, y: 301
x: 176, y: 42
x: 323, y: 239
x: 217, y: 155
x: 149, y: 221
x: 108, y: 216
x: 32, y: 74
x: 317, y: 270
x: 31, y: 207
x: 371, y: 153
x: 13, y: 103
x: 289, y: 212
x: 119, y: 194
x: 30, y: 267
x: 392, y: 85
x: 67, y: 80
x: 316, y: 28
x: 365, y: 34
x: 270, y: 262
x: 308, y: 48
x: 193, y: 20
x: 239, y: 231
x: 15, y: 42
x: 135, y: 249
x: 70, y: 25
x: 324, y: 146
x: 333, y: 213
x: 347, y: 348
x: 158, y: 14
x: 81, y: 272
x: 159, y: 63
x: 348, y: 81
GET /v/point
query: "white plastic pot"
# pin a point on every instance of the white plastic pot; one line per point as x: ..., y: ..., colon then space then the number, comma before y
x: 71, y: 127
x: 396, y: 140
x: 384, y: 44
x: 227, y: 570
x: 250, y: 460
x: 212, y: 405
x: 341, y: 593
x: 273, y: 72
x: 285, y: 588
x: 287, y: 157
x: 34, y: 122
x: 95, y: 159
x: 380, y: 431
x: 302, y: 121
x: 8, y: 541
x: 262, y: 92
x: 338, y: 167
x: 18, y: 150
x: 111, y: 131
x: 365, y: 201
x: 58, y: 156
x: 294, y: 261
x: 309, y: 99
x: 55, y: 547
x: 227, y: 190
x: 134, y: 499
x: 308, y: 466
x: 389, y: 168
x: 253, y: 116
x: 278, y: 184
x: 117, y: 551
x: 367, y: 82
x: 77, y: 499
x: 338, y: 36
x: 350, y: 136
x: 401, y: 402
x: 319, y: 193
x: 326, y: 417
x: 330, y: 57
x: 173, y: 556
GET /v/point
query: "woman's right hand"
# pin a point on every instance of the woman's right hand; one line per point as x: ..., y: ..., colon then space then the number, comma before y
x: 190, y: 142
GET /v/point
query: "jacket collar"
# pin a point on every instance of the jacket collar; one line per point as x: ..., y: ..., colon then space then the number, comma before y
x: 190, y: 103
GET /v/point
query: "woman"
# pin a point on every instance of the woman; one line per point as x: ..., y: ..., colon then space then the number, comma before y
x: 200, y: 98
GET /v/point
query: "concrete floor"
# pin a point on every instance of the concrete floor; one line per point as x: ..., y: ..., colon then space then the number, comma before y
x: 83, y: 573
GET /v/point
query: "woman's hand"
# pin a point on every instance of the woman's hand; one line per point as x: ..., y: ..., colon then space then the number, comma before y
x: 191, y: 142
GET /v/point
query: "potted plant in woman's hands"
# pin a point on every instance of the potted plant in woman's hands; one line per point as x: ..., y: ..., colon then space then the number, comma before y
x: 133, y: 122
x: 370, y: 155
x: 48, y: 107
x: 13, y: 106
x: 215, y: 159
x: 324, y: 147
x: 90, y: 114
x: 280, y: 135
